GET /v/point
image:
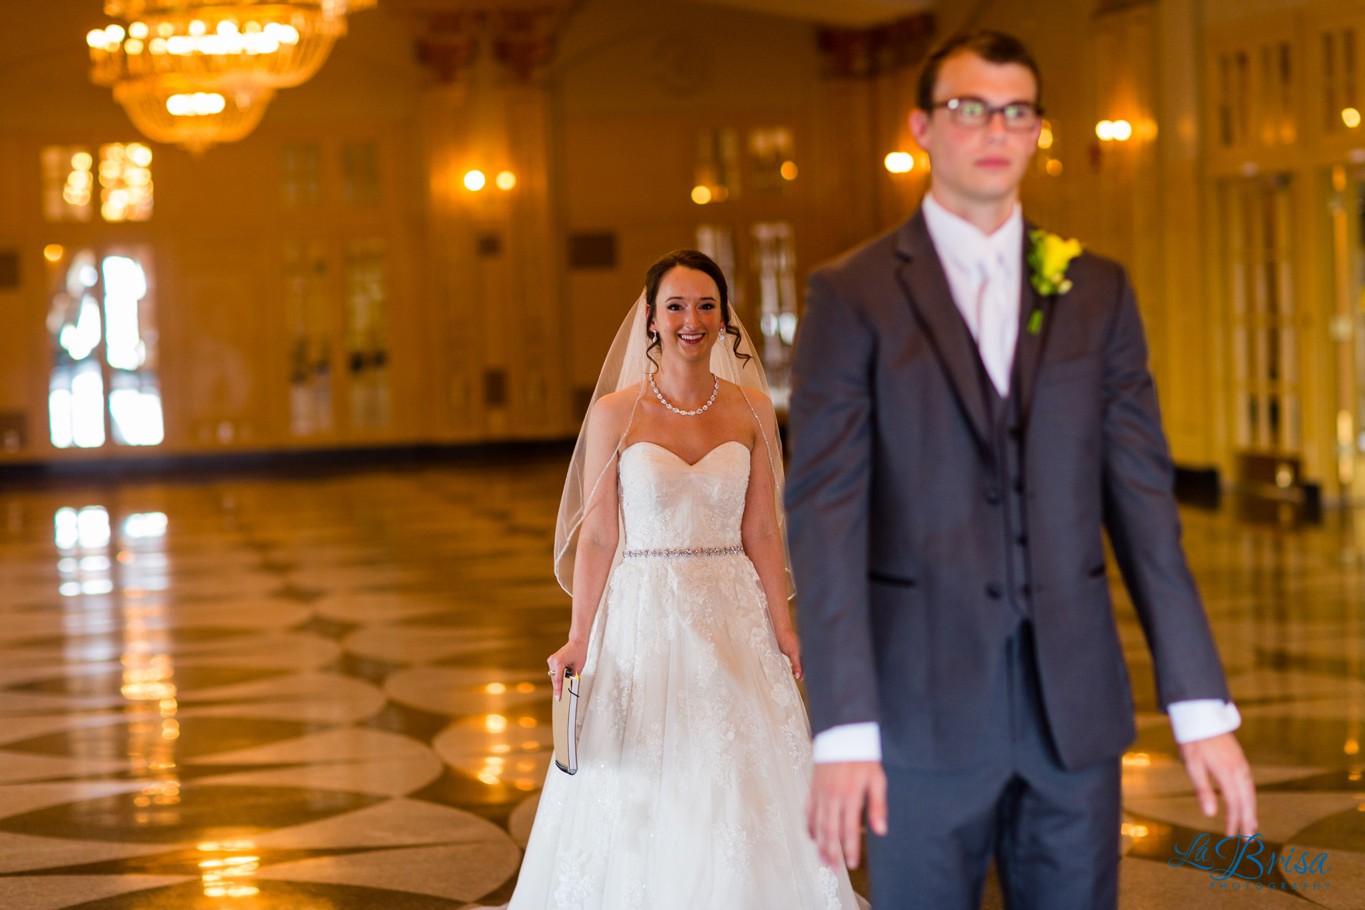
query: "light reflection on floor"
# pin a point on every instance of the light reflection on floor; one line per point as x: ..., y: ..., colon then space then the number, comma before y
x: 328, y: 692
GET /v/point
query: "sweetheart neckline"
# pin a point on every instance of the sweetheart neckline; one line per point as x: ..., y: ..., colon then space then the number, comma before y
x: 681, y: 460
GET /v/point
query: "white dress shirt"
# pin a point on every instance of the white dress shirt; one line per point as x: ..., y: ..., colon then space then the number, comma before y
x: 984, y: 273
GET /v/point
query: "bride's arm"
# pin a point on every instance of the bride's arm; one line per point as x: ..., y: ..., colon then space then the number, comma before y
x: 597, y: 535
x: 762, y: 535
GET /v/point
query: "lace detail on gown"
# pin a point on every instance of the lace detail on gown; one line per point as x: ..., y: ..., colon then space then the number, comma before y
x: 695, y: 749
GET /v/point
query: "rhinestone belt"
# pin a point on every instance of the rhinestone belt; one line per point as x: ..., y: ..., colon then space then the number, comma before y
x: 681, y: 552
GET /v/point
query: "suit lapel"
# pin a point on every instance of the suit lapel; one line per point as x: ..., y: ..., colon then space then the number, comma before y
x: 926, y: 287
x: 1028, y: 353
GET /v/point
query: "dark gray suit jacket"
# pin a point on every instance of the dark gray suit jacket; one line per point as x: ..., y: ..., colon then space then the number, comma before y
x: 894, y: 521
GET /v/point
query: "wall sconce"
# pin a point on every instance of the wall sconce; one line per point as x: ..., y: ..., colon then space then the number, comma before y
x: 1351, y: 117
x: 899, y: 162
x: 1114, y: 130
x: 704, y: 195
x: 475, y: 180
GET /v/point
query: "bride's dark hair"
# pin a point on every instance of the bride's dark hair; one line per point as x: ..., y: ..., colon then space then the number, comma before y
x: 688, y: 259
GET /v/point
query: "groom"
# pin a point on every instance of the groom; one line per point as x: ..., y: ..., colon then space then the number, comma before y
x: 960, y: 439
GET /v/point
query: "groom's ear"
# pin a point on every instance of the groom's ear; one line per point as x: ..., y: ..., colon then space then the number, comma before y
x: 919, y: 124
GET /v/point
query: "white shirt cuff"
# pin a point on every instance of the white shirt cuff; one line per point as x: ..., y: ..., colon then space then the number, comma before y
x: 849, y: 742
x: 1200, y: 718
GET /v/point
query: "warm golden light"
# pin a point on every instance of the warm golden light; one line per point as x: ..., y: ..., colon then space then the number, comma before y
x: 1352, y: 747
x: 1053, y: 167
x: 495, y: 688
x: 475, y: 181
x: 54, y: 252
x: 1114, y: 130
x: 1351, y: 117
x: 198, y: 104
x: 495, y: 723
x: 1045, y: 136
x: 701, y: 194
x: 788, y: 170
x: 506, y: 180
x: 1135, y: 831
x: 1137, y: 760
x: 899, y: 162
x: 163, y: 53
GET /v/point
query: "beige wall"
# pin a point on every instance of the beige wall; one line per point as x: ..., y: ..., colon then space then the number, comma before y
x: 632, y: 94
x: 603, y: 140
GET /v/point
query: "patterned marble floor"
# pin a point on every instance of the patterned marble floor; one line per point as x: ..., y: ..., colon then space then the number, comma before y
x: 328, y: 692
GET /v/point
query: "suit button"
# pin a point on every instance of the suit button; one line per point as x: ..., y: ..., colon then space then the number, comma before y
x: 993, y: 497
x: 1016, y: 432
x: 1022, y: 540
x: 993, y: 591
x: 1018, y: 484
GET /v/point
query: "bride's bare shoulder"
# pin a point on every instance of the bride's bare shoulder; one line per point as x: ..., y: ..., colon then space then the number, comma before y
x: 610, y: 412
x: 620, y: 401
x: 758, y: 398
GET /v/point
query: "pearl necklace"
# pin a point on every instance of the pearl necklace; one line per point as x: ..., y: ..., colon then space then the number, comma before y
x: 677, y: 410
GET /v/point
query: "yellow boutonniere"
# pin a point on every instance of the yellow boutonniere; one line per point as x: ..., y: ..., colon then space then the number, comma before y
x: 1048, y: 259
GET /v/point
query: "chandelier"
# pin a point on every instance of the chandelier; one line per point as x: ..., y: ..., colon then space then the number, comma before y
x: 197, y: 72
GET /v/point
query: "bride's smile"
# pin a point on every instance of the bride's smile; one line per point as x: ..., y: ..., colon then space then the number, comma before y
x: 688, y: 314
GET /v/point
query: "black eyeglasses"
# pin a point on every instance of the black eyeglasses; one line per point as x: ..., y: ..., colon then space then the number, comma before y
x: 975, y: 113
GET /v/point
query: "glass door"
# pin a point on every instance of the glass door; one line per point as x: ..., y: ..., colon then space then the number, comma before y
x: 1256, y: 218
x: 104, y: 384
x: 1346, y: 207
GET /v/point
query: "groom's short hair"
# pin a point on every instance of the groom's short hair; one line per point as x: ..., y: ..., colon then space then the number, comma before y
x: 993, y: 47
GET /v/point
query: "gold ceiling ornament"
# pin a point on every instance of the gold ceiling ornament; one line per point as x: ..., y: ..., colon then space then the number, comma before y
x: 198, y: 72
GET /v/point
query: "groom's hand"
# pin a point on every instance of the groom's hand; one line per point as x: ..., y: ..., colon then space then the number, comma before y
x: 838, y: 794
x: 1221, y: 758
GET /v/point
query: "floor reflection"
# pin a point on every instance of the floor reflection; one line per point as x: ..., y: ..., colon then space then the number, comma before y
x: 328, y: 692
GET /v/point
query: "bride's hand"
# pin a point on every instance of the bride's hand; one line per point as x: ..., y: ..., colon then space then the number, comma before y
x: 790, y: 645
x: 572, y: 655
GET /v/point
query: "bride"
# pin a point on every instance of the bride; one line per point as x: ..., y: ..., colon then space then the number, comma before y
x: 694, y: 745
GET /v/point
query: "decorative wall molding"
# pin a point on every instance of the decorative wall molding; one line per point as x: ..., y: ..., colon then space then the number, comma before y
x: 449, y: 34
x: 865, y: 53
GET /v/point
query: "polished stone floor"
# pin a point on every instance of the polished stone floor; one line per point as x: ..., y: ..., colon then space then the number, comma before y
x: 328, y: 692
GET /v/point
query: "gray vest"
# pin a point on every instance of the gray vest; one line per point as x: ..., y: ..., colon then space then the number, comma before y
x: 1013, y: 585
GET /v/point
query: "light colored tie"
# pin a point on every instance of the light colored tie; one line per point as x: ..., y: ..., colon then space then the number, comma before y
x: 997, y: 323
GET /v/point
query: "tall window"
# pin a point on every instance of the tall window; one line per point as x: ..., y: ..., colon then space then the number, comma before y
x: 308, y: 310
x: 771, y: 159
x: 1341, y: 103
x: 104, y: 383
x: 360, y: 174
x: 716, y: 171
x: 114, y: 180
x: 1256, y: 215
x: 301, y: 183
x: 367, y: 343
x: 775, y: 267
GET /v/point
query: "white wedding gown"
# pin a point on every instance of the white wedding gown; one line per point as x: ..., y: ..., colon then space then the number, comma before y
x: 694, y: 749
